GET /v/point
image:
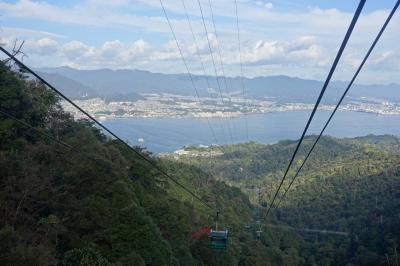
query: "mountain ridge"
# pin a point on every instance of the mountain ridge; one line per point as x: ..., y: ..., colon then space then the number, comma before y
x: 280, y: 88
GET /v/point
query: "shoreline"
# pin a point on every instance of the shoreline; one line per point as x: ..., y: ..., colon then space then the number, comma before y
x: 111, y: 117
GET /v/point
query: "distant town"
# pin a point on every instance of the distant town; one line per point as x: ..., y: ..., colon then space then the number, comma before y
x: 192, y: 151
x: 169, y: 105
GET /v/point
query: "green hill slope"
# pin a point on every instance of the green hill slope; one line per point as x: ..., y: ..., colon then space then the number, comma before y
x: 348, y: 185
x: 97, y: 202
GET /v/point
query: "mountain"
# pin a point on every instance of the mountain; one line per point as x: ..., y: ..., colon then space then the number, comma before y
x: 69, y: 87
x: 278, y: 88
x: 107, y: 81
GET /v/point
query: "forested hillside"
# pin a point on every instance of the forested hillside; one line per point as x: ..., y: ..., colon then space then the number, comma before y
x: 93, y: 202
x: 97, y: 203
x: 349, y: 186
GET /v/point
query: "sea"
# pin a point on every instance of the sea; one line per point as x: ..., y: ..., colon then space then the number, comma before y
x: 159, y: 135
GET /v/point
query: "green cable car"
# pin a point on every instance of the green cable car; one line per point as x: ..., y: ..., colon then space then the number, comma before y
x: 218, y: 239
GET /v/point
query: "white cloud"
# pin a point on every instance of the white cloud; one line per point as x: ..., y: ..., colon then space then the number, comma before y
x: 388, y: 60
x: 109, y: 54
x: 136, y: 50
x: 6, y: 41
x: 43, y: 46
x: 169, y: 52
x: 23, y: 33
x: 75, y: 49
x: 35, y: 42
x: 110, y: 49
x: 269, y: 5
x: 273, y: 39
x: 94, y: 13
x: 303, y: 51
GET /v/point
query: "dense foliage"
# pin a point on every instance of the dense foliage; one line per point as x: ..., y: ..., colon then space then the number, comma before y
x: 349, y: 186
x: 95, y: 204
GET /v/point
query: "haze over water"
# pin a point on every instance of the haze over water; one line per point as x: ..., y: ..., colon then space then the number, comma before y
x: 169, y: 134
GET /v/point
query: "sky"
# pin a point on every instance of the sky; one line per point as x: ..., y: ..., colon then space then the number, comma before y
x: 287, y: 37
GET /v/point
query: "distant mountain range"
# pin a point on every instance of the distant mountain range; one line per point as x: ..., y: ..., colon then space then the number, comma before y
x: 130, y: 84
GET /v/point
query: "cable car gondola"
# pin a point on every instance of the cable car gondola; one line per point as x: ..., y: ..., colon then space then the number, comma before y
x: 218, y: 239
x: 258, y: 234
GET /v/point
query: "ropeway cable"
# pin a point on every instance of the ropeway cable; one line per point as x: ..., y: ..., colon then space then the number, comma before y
x: 332, y: 70
x: 215, y: 67
x: 241, y: 69
x: 343, y: 96
x: 149, y: 161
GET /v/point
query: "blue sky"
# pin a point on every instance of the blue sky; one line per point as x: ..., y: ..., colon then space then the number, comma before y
x: 285, y: 37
